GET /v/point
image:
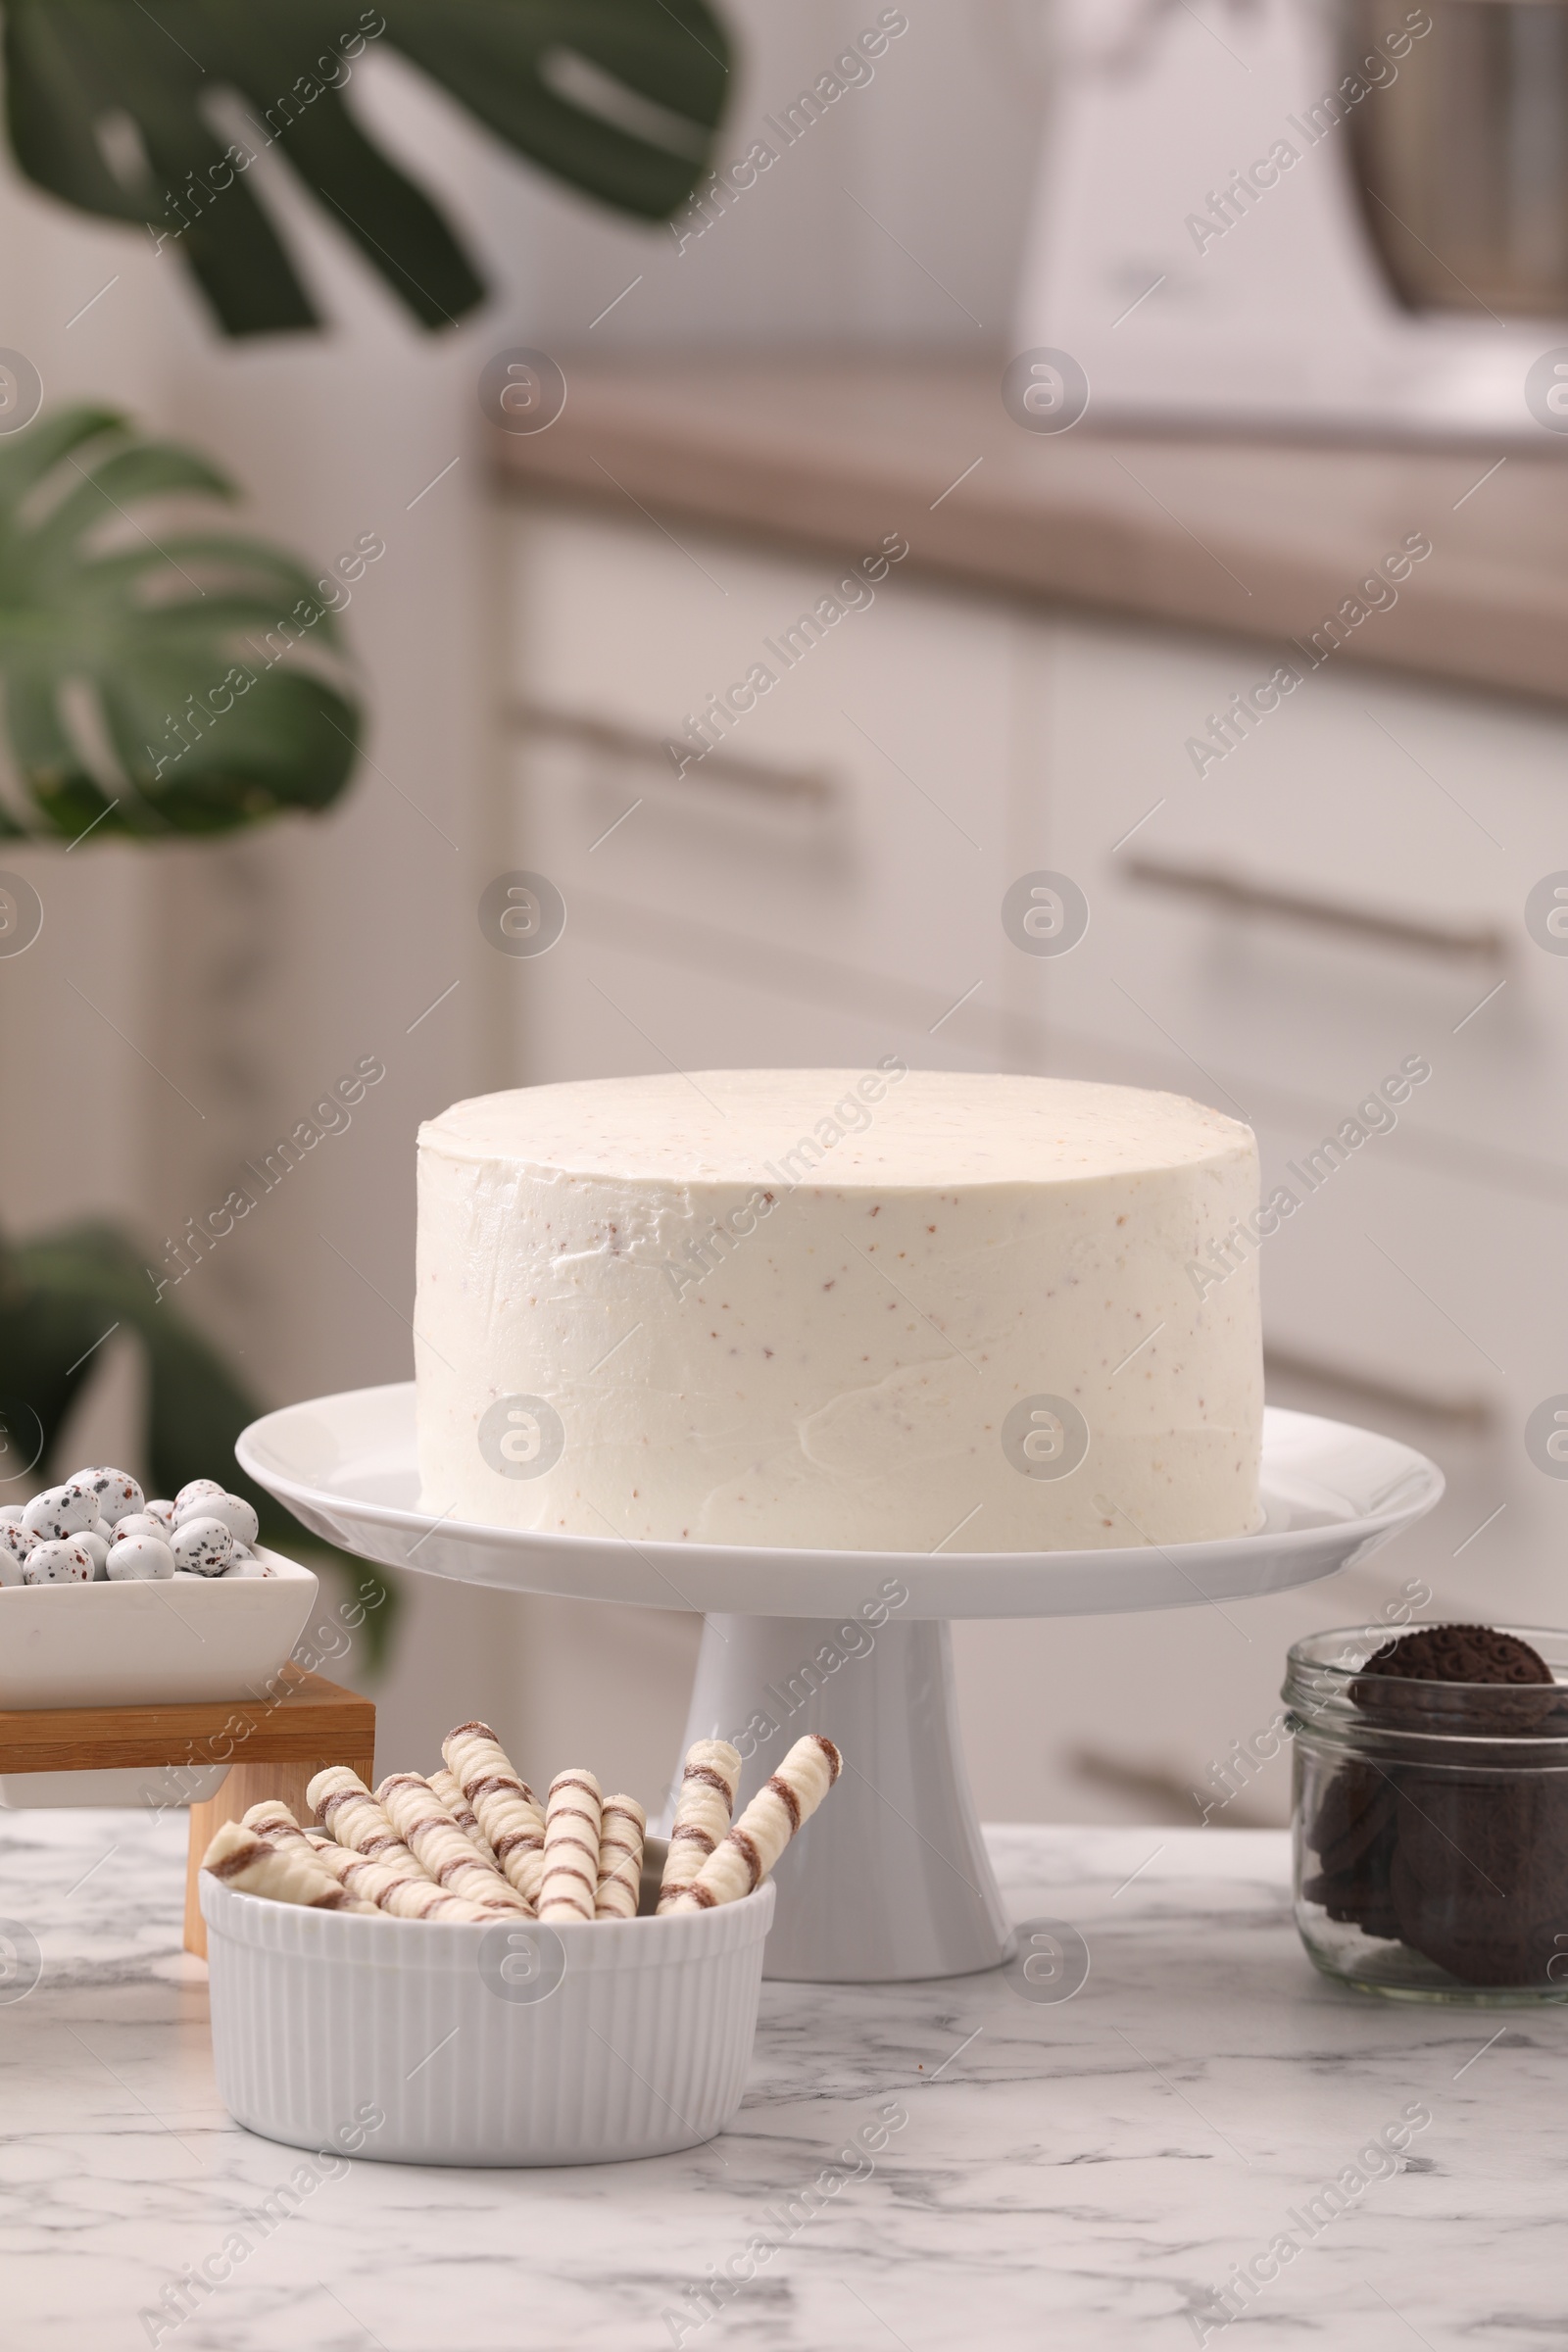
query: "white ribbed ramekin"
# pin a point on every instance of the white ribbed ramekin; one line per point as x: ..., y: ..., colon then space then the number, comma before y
x: 640, y: 2048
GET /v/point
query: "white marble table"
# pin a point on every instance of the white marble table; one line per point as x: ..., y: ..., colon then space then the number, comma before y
x: 1076, y: 2173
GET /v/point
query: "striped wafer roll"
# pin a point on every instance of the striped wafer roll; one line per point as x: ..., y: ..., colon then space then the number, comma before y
x: 702, y: 1813
x: 621, y: 1858
x: 744, y: 1857
x: 360, y: 1821
x: 462, y: 1813
x: 506, y: 1807
x: 273, y: 1820
x: 256, y: 1866
x: 434, y: 1838
x: 572, y: 1814
x: 384, y: 1888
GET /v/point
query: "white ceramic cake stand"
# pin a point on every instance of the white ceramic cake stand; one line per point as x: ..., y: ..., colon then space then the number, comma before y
x: 892, y: 1880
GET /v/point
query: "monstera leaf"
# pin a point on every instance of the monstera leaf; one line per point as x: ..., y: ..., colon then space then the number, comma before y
x: 158, y: 116
x: 60, y: 1297
x: 154, y: 685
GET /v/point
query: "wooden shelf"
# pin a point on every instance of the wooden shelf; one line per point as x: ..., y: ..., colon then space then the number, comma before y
x: 308, y: 1712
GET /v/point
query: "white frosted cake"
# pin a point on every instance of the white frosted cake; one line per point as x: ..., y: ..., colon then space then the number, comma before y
x: 875, y: 1310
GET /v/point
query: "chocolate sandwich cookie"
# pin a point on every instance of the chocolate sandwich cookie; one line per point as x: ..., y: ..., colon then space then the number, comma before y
x: 1478, y: 1876
x: 1482, y: 1885
x: 1354, y: 1809
x: 1351, y: 1831
x: 1359, y: 1897
x: 1480, y: 1939
x: 1499, y: 1834
x: 1357, y: 1903
x: 1457, y: 1678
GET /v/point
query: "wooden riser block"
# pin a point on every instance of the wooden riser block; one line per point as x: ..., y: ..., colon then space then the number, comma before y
x: 274, y: 1745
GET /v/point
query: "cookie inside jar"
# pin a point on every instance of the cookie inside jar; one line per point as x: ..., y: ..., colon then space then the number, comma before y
x: 1432, y: 1809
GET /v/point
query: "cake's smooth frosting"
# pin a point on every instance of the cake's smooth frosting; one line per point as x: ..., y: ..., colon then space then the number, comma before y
x: 797, y: 1307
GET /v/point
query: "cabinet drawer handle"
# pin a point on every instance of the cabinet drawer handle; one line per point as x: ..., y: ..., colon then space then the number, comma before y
x: 813, y: 785
x: 1472, y: 1413
x: 1220, y: 887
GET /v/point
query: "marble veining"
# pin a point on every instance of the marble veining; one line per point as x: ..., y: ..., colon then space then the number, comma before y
x: 1075, y: 2173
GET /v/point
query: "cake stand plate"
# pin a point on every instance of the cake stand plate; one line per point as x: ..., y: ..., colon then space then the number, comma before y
x: 892, y: 1880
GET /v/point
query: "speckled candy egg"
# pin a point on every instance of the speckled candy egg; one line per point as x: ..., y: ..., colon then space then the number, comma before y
x: 249, y: 1566
x: 11, y: 1513
x: 135, y: 1558
x: 57, y: 1563
x: 15, y: 1545
x: 204, y: 1545
x: 115, y: 1492
x: 192, y: 1492
x: 95, y: 1541
x: 141, y: 1523
x: 162, y: 1513
x: 234, y: 1511
x: 60, y: 1511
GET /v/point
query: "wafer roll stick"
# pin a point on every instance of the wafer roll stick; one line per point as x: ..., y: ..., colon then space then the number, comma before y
x: 703, y: 1811
x: 621, y: 1858
x: 744, y: 1858
x: 573, y: 1815
x: 462, y: 1813
x: 506, y: 1807
x: 360, y: 1821
x: 434, y: 1838
x: 256, y: 1866
x: 384, y: 1888
x: 273, y: 1820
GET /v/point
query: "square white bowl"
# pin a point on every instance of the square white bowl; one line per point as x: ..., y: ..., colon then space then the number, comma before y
x: 142, y: 1643
x: 513, y: 2044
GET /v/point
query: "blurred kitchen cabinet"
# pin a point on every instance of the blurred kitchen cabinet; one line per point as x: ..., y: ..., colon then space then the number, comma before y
x: 846, y: 832
x: 1340, y: 903
x: 1348, y: 885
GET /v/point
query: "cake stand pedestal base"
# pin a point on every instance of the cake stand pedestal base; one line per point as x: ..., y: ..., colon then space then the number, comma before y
x: 890, y: 1881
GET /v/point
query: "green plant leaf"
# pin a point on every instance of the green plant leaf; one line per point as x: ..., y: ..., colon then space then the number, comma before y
x: 60, y: 1296
x: 156, y: 681
x: 128, y: 113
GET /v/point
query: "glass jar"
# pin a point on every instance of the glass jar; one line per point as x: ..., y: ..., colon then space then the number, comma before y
x: 1431, y: 1824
